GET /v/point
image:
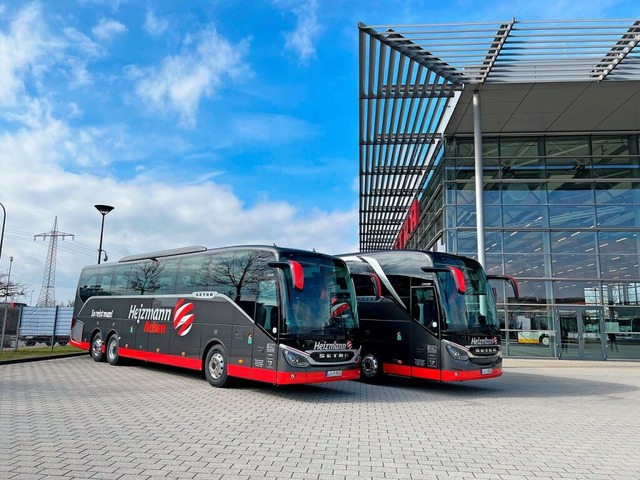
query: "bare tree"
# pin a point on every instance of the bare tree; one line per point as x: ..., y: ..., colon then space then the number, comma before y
x: 145, y: 277
x: 237, y: 271
x: 10, y: 289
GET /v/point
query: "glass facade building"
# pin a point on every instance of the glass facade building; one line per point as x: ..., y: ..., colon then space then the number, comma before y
x: 554, y: 188
x: 562, y: 215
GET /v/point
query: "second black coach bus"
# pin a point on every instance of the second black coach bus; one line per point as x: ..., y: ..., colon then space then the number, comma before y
x: 426, y: 315
x: 271, y: 314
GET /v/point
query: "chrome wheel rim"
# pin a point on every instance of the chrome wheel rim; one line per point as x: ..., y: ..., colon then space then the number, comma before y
x: 216, y: 366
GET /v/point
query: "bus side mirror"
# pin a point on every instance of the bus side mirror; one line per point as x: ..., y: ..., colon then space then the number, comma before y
x: 456, y: 274
x: 297, y: 273
x: 510, y: 280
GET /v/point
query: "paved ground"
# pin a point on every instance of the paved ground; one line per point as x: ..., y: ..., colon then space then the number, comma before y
x: 543, y: 419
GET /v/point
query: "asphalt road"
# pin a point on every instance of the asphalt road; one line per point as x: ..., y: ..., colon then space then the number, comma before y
x: 543, y: 419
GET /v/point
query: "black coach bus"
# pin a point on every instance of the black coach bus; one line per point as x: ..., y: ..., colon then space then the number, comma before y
x: 426, y: 315
x: 270, y: 314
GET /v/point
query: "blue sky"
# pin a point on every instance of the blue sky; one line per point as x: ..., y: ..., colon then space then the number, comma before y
x: 203, y: 122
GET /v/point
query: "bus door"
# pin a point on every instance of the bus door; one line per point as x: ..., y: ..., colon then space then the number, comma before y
x: 425, y: 344
x: 267, y: 321
x: 581, y: 333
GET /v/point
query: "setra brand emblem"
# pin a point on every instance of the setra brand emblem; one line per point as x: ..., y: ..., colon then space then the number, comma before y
x: 183, y: 317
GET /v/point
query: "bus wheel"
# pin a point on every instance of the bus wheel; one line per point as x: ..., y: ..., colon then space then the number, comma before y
x: 544, y: 340
x: 371, y: 367
x: 113, y: 357
x: 215, y: 367
x: 96, y: 348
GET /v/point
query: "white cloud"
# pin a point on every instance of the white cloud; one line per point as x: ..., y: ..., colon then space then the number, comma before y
x: 302, y: 40
x: 154, y: 25
x: 20, y: 49
x: 197, y: 72
x: 108, y: 28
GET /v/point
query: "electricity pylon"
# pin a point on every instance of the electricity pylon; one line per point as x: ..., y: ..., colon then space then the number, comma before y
x: 47, y: 296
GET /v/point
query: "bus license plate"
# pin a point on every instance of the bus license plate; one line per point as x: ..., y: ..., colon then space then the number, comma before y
x: 334, y: 373
x: 486, y: 371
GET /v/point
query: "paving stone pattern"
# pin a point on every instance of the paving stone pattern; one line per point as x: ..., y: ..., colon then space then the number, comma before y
x: 543, y: 419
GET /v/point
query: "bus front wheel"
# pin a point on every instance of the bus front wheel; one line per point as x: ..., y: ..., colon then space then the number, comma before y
x: 215, y: 366
x: 113, y: 346
x: 371, y: 367
x: 96, y: 348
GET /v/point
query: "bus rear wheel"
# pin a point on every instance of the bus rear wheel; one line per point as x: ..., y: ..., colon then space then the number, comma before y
x: 371, y: 367
x: 215, y: 367
x: 96, y: 348
x: 113, y: 345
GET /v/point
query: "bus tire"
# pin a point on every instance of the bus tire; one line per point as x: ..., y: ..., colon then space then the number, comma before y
x: 113, y: 347
x: 215, y: 366
x: 371, y: 367
x: 96, y: 347
x: 544, y: 340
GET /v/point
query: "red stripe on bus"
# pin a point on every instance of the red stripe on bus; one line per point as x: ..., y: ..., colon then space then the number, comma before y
x: 292, y: 378
x: 81, y: 345
x: 395, y: 369
x: 459, y: 376
x: 173, y: 360
x: 426, y: 373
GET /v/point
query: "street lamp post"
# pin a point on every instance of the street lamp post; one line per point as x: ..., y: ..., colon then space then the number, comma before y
x: 103, y: 209
x: 4, y: 219
x: 6, y: 292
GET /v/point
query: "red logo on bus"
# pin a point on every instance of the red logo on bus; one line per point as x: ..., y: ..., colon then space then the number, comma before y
x: 182, y: 317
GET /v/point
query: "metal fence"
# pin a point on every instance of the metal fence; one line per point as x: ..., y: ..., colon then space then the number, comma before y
x: 27, y: 326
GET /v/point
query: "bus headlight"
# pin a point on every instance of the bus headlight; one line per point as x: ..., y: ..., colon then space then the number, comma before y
x: 295, y: 359
x: 457, y: 353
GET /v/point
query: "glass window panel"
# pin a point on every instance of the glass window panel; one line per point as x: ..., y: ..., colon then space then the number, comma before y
x: 523, y: 193
x: 623, y: 293
x: 570, y: 193
x: 450, y: 217
x: 576, y: 292
x: 574, y: 266
x: 523, y: 241
x: 564, y: 168
x: 534, y: 291
x: 573, y: 242
x: 525, y: 265
x: 571, y: 216
x: 490, y: 168
x: 490, y: 147
x: 465, y: 169
x: 524, y: 216
x: 519, y: 147
x: 567, y: 146
x: 492, y: 216
x: 492, y: 193
x: 451, y: 190
x: 493, y: 264
x: 622, y: 193
x: 618, y: 243
x: 467, y: 242
x: 625, y: 216
x: 614, y: 167
x: 493, y: 242
x: 464, y: 147
x: 465, y: 193
x: 610, y: 145
x: 619, y: 267
x: 466, y: 216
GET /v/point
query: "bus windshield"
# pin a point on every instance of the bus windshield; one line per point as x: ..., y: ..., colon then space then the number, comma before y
x: 326, y: 303
x: 475, y: 309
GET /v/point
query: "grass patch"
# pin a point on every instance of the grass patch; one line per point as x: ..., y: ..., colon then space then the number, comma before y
x: 36, y: 352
